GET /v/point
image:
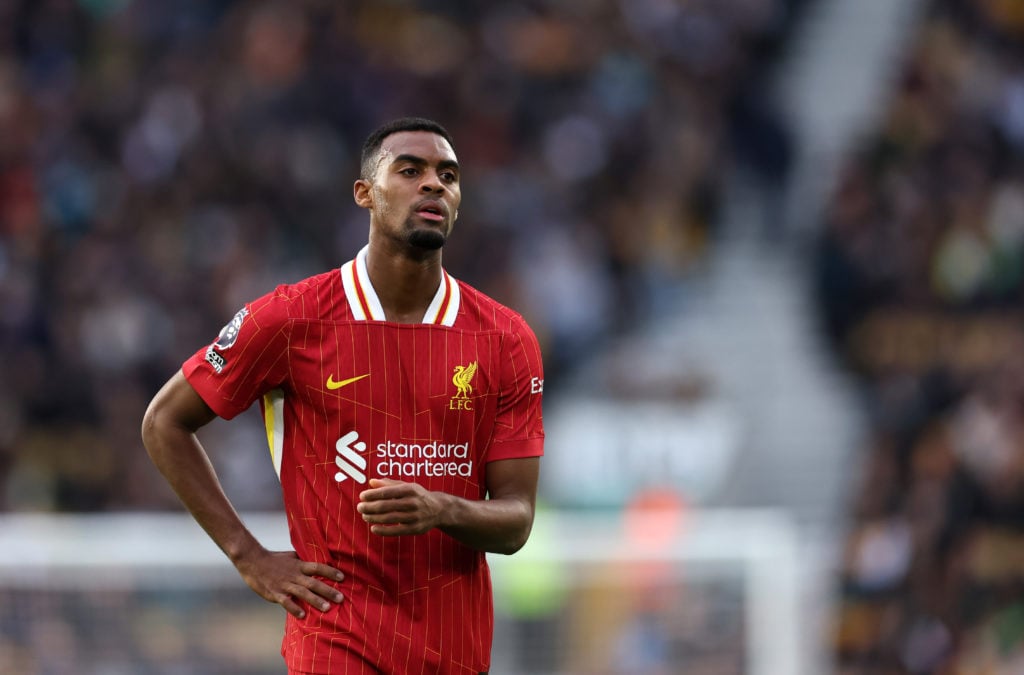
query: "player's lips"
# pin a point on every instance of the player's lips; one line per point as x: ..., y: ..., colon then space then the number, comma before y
x: 431, y: 209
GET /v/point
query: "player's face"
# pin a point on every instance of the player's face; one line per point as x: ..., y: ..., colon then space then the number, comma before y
x: 414, y: 196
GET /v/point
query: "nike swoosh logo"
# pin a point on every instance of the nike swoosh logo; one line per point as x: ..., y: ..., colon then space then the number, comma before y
x: 332, y: 384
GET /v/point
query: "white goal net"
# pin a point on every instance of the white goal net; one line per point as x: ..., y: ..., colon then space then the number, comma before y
x: 713, y: 592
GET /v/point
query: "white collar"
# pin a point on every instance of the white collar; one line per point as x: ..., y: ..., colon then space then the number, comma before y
x: 365, y: 305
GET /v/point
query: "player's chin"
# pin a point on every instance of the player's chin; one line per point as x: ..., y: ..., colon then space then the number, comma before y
x: 429, y: 239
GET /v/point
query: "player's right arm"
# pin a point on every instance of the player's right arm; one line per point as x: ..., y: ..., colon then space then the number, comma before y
x: 169, y: 434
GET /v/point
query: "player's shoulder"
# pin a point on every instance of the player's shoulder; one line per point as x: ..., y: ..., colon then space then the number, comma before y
x: 303, y: 299
x: 486, y: 313
x: 313, y: 285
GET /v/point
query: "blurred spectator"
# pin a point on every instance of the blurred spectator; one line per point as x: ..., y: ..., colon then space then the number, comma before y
x: 921, y: 273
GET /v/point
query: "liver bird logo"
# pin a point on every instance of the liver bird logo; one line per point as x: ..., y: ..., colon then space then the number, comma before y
x: 461, y: 379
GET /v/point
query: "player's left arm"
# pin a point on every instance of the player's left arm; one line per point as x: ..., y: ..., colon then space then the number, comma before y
x: 499, y: 524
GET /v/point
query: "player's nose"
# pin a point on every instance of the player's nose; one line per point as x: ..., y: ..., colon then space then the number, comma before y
x: 431, y: 183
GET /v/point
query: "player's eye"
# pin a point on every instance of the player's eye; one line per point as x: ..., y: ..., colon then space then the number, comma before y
x: 449, y: 176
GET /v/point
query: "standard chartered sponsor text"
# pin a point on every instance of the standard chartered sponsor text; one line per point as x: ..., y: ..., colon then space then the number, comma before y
x: 432, y: 459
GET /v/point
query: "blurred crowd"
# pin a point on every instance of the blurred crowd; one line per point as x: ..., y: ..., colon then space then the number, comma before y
x: 163, y: 162
x: 921, y: 274
x: 170, y: 628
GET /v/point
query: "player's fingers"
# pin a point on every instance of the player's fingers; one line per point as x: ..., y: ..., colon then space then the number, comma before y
x: 388, y: 530
x: 391, y: 490
x: 324, y: 591
x: 388, y: 506
x: 391, y: 518
x: 300, y: 592
x: 289, y: 605
x: 320, y: 589
x: 315, y: 569
x: 392, y: 530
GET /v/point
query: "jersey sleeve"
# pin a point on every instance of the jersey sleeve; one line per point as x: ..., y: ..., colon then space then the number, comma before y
x: 518, y: 424
x: 247, y: 359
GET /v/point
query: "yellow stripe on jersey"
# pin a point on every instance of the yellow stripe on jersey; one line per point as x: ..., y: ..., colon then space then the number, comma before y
x: 273, y: 420
x: 454, y: 301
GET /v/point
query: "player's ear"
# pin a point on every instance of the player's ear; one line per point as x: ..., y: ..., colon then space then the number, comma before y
x: 362, y: 192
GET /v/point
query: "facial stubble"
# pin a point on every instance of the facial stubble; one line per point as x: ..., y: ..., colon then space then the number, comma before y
x: 428, y: 240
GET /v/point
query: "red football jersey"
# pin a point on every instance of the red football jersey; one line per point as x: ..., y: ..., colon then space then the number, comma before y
x: 348, y: 396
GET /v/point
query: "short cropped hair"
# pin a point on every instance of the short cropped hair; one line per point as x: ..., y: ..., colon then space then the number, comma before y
x: 371, y: 147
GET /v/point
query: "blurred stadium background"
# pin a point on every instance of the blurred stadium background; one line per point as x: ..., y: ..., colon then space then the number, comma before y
x: 773, y: 249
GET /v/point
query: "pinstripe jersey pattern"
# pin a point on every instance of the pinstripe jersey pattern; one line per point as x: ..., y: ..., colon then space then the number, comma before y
x: 347, y: 397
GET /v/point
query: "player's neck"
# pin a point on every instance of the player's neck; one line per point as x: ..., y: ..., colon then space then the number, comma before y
x: 405, y: 285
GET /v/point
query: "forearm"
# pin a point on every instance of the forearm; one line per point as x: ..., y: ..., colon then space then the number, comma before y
x: 492, y: 525
x: 500, y: 524
x: 182, y: 460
